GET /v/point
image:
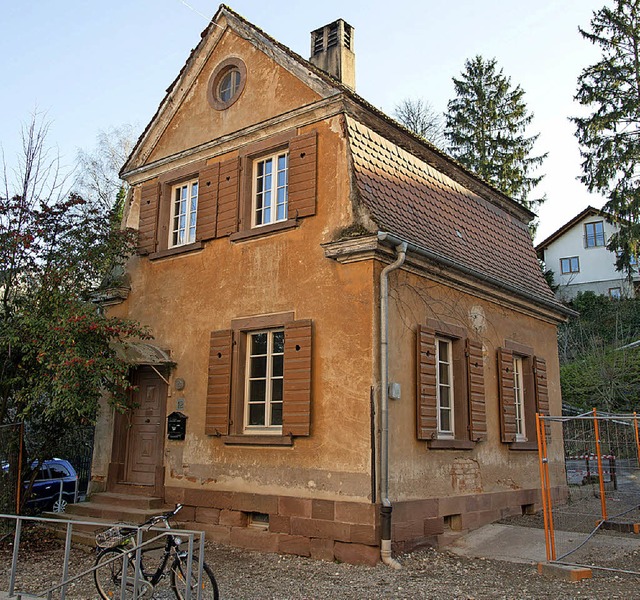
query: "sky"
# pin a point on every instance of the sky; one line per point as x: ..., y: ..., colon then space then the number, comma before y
x: 90, y: 66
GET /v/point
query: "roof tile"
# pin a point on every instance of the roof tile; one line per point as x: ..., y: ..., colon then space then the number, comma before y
x: 411, y: 199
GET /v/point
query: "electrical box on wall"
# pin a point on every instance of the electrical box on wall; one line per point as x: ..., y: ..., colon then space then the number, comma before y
x: 394, y: 391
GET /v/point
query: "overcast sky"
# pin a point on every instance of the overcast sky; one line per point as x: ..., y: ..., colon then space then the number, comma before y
x: 92, y: 65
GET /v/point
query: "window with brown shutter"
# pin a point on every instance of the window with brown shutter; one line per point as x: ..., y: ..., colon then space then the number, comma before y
x: 269, y: 376
x: 277, y: 185
x: 147, y: 227
x: 518, y: 386
x: 450, y: 409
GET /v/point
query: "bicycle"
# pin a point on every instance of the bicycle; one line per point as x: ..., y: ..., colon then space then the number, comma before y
x: 116, y: 542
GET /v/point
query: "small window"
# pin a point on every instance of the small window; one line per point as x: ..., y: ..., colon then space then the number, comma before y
x: 270, y: 189
x: 518, y: 392
x: 184, y: 207
x: 615, y: 293
x: 570, y: 265
x: 594, y: 234
x: 444, y: 388
x: 226, y: 83
x: 264, y: 381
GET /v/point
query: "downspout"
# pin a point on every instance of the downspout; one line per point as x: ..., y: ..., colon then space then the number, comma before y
x: 386, y: 508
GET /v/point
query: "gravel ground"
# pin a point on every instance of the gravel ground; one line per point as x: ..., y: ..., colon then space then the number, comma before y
x: 245, y: 575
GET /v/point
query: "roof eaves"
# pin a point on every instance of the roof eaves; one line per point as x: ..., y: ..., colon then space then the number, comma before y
x: 550, y: 304
x: 590, y: 210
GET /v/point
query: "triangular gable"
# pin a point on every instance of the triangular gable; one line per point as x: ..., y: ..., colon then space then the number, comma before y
x: 278, y: 81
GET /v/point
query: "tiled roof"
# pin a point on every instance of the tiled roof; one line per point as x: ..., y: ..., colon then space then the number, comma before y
x: 414, y: 201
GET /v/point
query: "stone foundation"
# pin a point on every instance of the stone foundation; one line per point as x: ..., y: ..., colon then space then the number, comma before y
x: 337, y: 530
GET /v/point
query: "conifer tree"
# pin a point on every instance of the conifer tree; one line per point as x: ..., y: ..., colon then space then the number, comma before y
x: 610, y: 136
x: 486, y: 127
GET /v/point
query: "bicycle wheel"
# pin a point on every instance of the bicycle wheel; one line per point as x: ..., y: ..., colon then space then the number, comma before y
x: 208, y: 588
x: 108, y: 577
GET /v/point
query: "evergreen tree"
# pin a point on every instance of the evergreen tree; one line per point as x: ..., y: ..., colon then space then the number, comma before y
x: 610, y: 135
x: 485, y: 126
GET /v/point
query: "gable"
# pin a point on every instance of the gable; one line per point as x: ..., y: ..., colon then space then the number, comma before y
x: 277, y: 82
x: 269, y: 91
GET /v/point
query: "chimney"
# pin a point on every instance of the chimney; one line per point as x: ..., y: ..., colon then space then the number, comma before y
x: 332, y: 51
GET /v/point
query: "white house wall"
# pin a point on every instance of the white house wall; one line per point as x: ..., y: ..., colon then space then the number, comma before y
x: 597, y: 264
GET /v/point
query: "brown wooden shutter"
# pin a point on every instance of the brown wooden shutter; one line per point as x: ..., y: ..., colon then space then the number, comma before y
x: 207, y: 202
x: 228, y: 198
x: 219, y: 385
x: 507, y: 395
x: 475, y: 376
x: 542, y: 392
x: 302, y: 175
x: 296, y: 418
x: 148, y: 223
x: 426, y: 396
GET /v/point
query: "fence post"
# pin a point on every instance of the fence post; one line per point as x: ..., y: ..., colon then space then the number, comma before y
x: 603, y: 497
x: 545, y: 492
x: 19, y: 484
x: 635, y: 426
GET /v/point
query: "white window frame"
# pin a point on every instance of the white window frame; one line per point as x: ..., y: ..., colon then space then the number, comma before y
x: 570, y: 260
x: 441, y: 385
x: 259, y: 215
x: 268, y: 427
x: 183, y: 232
x: 518, y: 394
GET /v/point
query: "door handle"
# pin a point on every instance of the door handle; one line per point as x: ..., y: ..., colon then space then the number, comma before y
x: 147, y: 420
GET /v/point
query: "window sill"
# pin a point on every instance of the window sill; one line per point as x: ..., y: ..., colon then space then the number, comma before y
x: 257, y: 440
x: 445, y: 444
x: 523, y: 446
x: 264, y: 230
x: 177, y: 250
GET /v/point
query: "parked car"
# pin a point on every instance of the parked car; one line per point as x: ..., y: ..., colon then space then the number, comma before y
x: 55, y: 485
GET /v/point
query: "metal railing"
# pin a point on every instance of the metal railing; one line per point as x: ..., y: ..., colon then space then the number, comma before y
x: 140, y: 584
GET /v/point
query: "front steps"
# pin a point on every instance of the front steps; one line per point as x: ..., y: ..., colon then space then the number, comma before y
x: 106, y: 508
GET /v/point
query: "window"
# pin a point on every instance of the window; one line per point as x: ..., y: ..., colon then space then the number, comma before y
x: 518, y: 392
x: 259, y: 389
x: 523, y: 392
x: 570, y: 265
x: 270, y: 185
x: 450, y: 410
x: 226, y: 83
x: 615, y: 293
x: 264, y: 382
x: 444, y: 388
x: 594, y: 234
x: 229, y: 85
x: 184, y: 208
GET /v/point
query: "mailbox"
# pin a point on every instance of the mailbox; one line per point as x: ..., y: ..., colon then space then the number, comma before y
x: 176, y: 426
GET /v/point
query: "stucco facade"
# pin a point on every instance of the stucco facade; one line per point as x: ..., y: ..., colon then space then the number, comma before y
x: 310, y: 483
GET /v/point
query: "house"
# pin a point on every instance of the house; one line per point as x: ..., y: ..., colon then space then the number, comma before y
x: 578, y: 256
x: 352, y: 332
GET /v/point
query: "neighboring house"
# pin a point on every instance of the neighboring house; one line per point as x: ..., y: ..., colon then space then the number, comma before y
x: 274, y: 206
x: 578, y: 256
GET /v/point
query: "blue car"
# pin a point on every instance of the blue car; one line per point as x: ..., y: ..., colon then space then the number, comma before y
x: 55, y: 486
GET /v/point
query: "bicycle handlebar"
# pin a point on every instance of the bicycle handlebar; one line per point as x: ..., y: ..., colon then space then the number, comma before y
x: 164, y: 516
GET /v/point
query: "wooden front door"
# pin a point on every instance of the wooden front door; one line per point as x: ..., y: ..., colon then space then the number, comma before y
x: 146, y: 432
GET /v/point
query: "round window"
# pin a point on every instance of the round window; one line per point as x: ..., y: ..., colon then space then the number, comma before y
x: 226, y: 83
x: 229, y: 85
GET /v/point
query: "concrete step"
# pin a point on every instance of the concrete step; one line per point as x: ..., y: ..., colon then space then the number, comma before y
x: 114, y: 513
x: 128, y: 500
